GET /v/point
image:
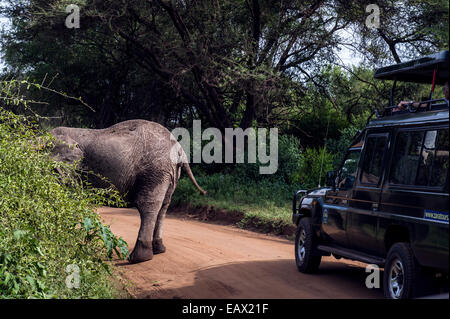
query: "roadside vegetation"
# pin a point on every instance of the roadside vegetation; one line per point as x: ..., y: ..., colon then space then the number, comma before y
x: 49, y: 228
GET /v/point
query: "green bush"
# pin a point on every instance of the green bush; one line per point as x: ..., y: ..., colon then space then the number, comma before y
x: 48, y: 223
x: 289, y: 155
x: 314, y: 165
x: 288, y: 162
x: 289, y: 158
x: 339, y: 146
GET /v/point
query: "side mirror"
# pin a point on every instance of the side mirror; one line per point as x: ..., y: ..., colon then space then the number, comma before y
x: 330, y: 178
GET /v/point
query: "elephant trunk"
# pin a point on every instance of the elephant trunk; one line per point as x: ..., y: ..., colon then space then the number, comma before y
x: 192, y: 178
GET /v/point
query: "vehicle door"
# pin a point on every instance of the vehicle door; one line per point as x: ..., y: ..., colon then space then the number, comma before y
x: 363, y: 207
x: 335, y: 214
x: 417, y: 189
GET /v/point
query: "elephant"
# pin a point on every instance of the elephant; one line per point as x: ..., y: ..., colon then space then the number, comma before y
x: 141, y: 159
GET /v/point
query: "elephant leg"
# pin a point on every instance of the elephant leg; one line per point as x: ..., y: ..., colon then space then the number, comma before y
x: 158, y: 246
x: 149, y: 206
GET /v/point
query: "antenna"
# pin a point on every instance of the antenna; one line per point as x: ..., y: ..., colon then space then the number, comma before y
x: 324, y: 150
x: 432, y: 87
x: 391, y: 92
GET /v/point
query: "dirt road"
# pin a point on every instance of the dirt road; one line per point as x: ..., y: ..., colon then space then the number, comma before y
x: 206, y: 260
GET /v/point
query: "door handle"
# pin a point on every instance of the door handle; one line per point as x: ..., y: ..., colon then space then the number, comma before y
x: 375, y: 206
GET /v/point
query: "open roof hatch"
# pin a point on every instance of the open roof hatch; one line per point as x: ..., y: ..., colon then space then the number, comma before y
x: 418, y: 71
x: 432, y: 69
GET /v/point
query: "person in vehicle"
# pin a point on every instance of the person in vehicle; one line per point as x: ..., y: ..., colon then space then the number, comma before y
x: 404, y: 104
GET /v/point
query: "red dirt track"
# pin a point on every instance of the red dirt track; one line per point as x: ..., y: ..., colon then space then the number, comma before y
x: 205, y: 260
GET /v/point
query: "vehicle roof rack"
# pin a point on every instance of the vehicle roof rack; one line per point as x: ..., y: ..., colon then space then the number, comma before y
x: 418, y: 71
x: 423, y: 106
x: 432, y: 69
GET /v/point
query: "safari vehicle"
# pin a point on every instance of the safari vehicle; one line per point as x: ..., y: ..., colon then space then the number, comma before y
x: 388, y: 202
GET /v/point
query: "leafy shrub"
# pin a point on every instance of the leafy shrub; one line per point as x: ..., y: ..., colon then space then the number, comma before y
x: 47, y: 225
x: 289, y: 158
x: 288, y: 162
x: 339, y: 146
x: 313, y: 167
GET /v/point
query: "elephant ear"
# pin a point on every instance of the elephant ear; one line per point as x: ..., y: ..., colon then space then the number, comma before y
x: 66, y: 149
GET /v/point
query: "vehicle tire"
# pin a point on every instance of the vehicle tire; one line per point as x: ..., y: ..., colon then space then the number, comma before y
x: 401, y: 279
x: 305, y: 257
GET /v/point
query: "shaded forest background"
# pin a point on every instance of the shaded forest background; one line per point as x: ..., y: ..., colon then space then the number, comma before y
x: 246, y: 63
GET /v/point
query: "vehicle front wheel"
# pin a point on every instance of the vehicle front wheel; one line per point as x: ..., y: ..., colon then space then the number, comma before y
x: 305, y: 257
x: 401, y: 273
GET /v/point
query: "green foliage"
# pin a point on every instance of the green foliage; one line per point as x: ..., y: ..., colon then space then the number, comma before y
x: 289, y: 158
x: 226, y: 187
x: 288, y: 161
x: 267, y: 200
x: 242, y: 188
x: 313, y: 167
x: 259, y: 61
x: 47, y: 224
x: 339, y: 146
x: 95, y: 229
x: 408, y: 29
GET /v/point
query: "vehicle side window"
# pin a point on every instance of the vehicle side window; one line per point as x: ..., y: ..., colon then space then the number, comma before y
x: 421, y: 158
x: 439, y: 171
x: 427, y: 158
x: 373, y: 159
x: 406, y: 157
x: 348, y: 171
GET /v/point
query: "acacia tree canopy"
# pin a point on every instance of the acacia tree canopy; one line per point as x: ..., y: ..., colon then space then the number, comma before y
x: 230, y: 63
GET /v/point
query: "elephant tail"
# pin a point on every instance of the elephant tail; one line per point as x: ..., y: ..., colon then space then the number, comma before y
x: 192, y: 178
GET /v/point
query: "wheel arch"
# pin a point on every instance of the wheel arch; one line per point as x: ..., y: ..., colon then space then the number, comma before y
x: 395, y: 234
x: 314, y: 211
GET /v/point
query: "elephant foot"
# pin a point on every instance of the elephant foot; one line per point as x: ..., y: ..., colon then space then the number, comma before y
x: 141, y: 252
x: 158, y: 247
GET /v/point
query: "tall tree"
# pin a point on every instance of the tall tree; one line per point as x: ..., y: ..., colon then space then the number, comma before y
x: 89, y: 62
x: 230, y: 63
x: 233, y: 62
x: 407, y: 29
